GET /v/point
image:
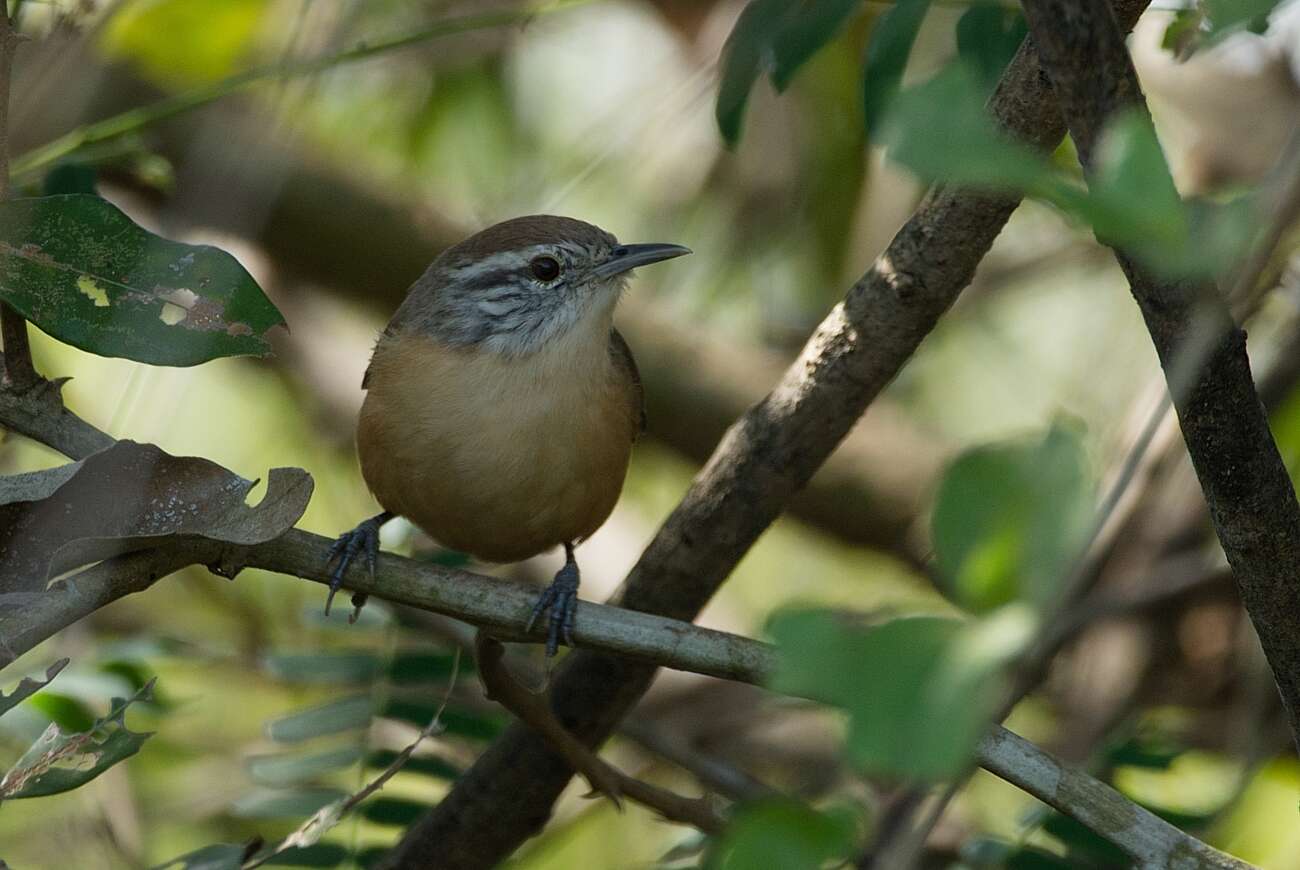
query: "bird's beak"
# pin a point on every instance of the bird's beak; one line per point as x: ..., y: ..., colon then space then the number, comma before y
x: 626, y: 257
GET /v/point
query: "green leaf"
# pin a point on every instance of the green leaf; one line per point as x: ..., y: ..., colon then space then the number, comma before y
x: 286, y: 804
x: 346, y: 714
x: 803, y: 35
x: 221, y: 856
x: 887, y: 53
x: 27, y: 687
x: 1010, y: 517
x: 416, y: 668
x: 781, y: 834
x: 60, y: 761
x: 71, y: 176
x: 341, y: 667
x: 941, y: 132
x: 67, y: 712
x: 988, y: 36
x: 425, y: 765
x: 292, y: 768
x: 1133, y: 201
x: 315, y: 855
x: 1227, y: 16
x: 393, y: 811
x: 747, y: 52
x: 919, y: 690
x: 83, y: 272
x: 462, y: 723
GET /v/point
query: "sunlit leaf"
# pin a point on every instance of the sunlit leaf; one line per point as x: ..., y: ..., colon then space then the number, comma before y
x: 85, y: 273
x: 27, y: 687
x: 292, y: 768
x: 748, y: 52
x: 887, y: 53
x: 1009, y: 517
x: 803, y: 35
x: 60, y: 761
x: 346, y: 714
x: 919, y: 690
x: 782, y: 834
x: 185, y: 41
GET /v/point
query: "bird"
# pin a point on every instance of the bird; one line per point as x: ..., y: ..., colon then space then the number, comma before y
x: 501, y: 403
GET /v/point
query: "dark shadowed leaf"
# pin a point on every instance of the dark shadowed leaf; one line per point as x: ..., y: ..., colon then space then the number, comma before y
x: 340, y: 667
x: 887, y: 53
x: 69, y: 177
x: 346, y: 714
x: 293, y: 768
x: 284, y: 804
x: 414, y: 668
x: 1009, y: 517
x: 27, y: 687
x: 60, y: 761
x: 462, y: 723
x: 782, y: 834
x: 748, y: 52
x: 988, y: 36
x: 85, y: 273
x: 919, y: 690
x: 128, y: 497
x: 393, y: 811
x: 425, y: 765
x: 316, y: 855
x: 220, y: 856
x: 815, y: 24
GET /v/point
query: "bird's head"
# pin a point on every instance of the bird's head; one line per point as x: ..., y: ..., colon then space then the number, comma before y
x: 524, y: 282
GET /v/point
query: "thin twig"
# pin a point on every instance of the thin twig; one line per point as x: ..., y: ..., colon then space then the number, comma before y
x: 605, y: 779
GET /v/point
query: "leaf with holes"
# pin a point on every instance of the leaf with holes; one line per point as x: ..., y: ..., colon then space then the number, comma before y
x: 128, y: 497
x: 84, y: 272
x: 59, y: 761
x: 27, y: 687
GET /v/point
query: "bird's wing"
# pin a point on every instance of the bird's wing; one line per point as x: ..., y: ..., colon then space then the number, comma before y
x: 623, y: 361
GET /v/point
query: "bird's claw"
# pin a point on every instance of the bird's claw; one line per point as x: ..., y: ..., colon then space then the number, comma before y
x: 561, y: 599
x: 364, y: 541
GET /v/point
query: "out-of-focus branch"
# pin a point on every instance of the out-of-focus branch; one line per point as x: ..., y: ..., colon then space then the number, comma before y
x: 1252, y: 503
x: 767, y: 456
x: 19, y: 374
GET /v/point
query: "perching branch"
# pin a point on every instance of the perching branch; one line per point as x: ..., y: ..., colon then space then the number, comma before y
x: 766, y: 457
x: 1252, y: 503
x: 504, y: 607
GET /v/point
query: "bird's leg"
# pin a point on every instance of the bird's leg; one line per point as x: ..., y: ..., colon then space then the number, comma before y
x: 561, y: 598
x: 364, y: 539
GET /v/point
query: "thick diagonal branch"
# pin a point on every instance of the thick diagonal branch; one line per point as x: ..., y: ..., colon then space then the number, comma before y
x: 1252, y: 503
x: 763, y: 461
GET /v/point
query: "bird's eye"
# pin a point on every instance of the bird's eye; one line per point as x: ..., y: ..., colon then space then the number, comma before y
x: 545, y: 268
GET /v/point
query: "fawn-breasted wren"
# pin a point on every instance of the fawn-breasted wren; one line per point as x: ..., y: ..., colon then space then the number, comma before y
x: 501, y: 404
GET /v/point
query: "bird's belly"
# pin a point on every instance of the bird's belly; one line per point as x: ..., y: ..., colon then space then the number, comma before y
x: 498, y: 466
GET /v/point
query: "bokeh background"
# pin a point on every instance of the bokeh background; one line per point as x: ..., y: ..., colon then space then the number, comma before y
x: 335, y: 186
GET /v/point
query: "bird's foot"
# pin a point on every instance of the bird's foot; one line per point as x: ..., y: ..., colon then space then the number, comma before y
x: 561, y: 599
x: 363, y: 541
